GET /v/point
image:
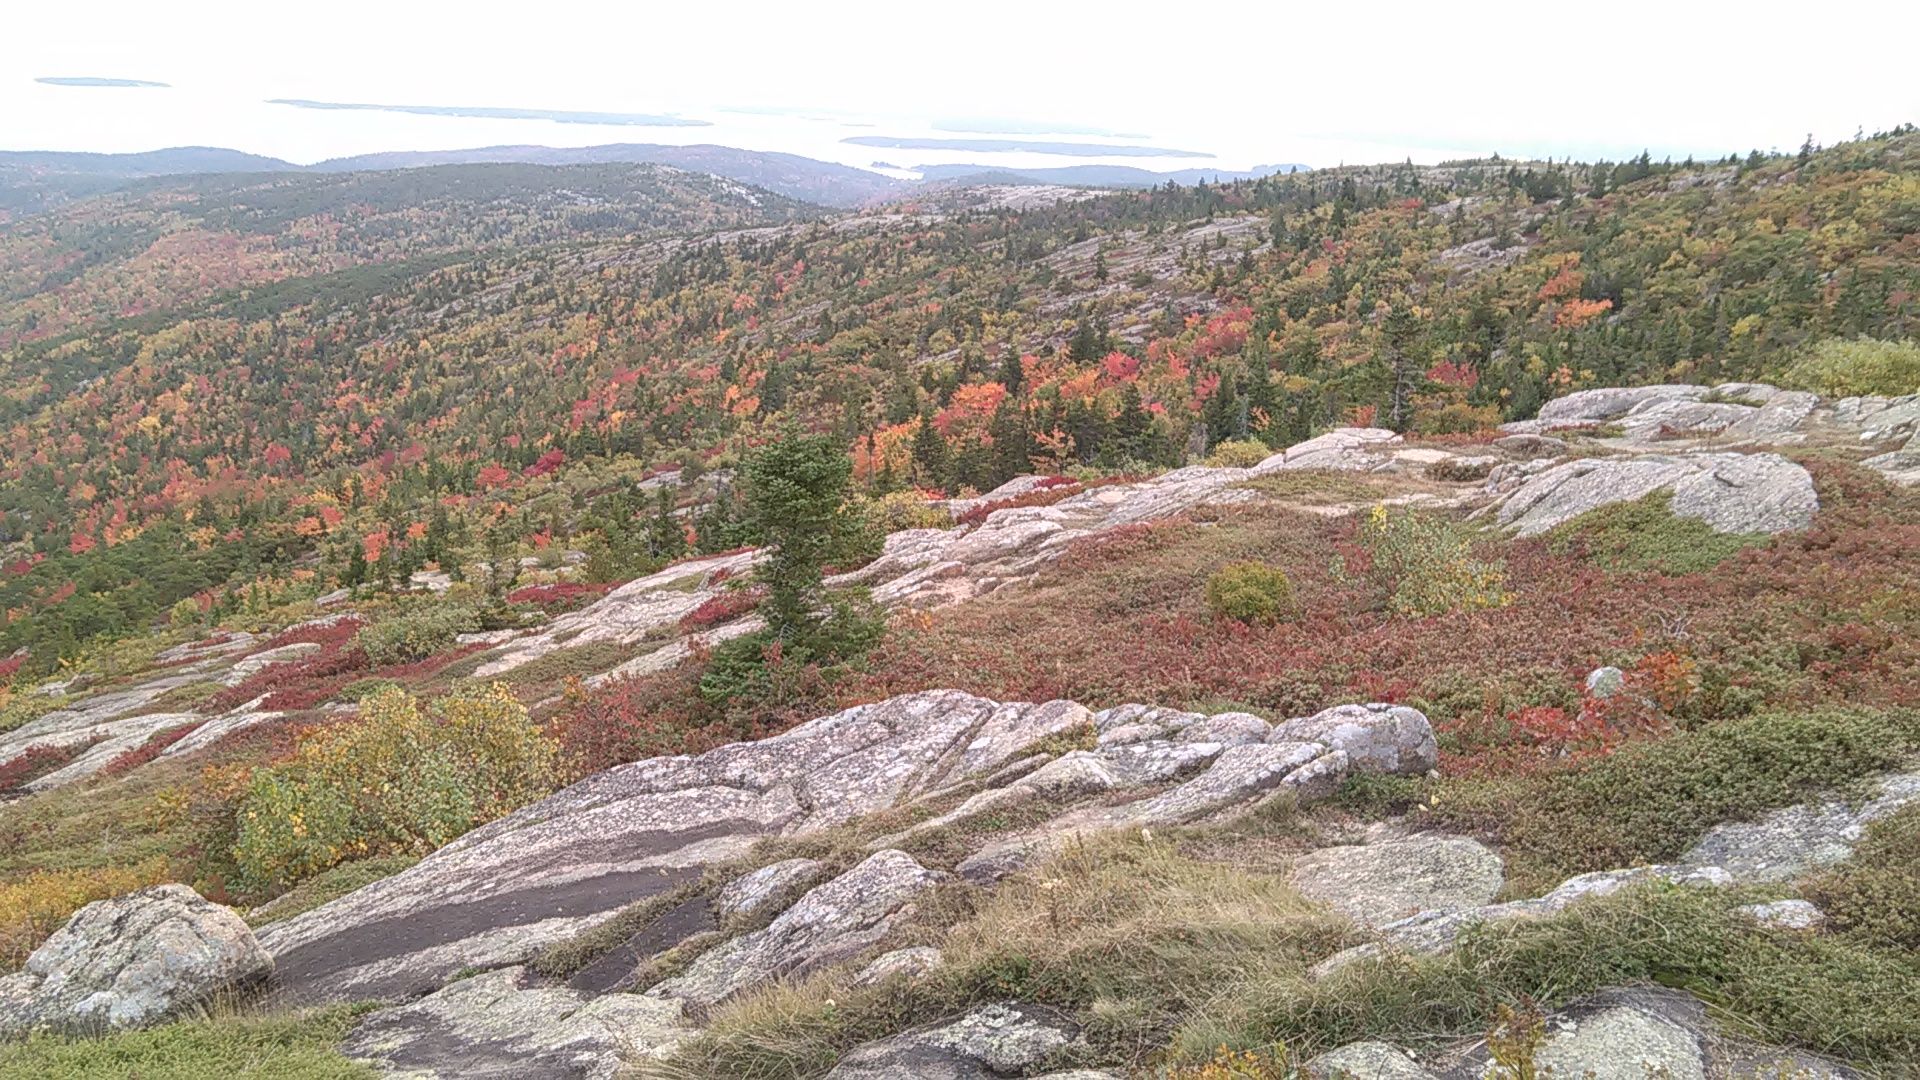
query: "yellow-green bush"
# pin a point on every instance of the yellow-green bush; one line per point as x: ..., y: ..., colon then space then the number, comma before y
x: 414, y: 635
x: 397, y: 780
x: 1239, y: 454
x: 1847, y: 367
x: 41, y: 902
x: 1251, y: 592
x: 897, y: 510
x: 1427, y: 563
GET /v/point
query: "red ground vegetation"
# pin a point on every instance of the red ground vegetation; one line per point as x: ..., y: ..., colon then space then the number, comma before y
x: 37, y: 762
x: 155, y: 745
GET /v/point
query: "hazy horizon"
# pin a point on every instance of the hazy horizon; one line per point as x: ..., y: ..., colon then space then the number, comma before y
x: 1272, y: 86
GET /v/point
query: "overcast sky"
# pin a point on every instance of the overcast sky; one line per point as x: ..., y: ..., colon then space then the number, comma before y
x: 1277, y: 81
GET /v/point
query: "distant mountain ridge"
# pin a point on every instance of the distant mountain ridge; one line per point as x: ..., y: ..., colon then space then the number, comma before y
x: 1101, y: 175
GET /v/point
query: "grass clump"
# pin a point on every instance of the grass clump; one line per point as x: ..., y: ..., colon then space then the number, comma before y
x: 1427, y: 564
x: 293, y: 1046
x: 396, y: 780
x: 1251, y: 592
x: 329, y: 885
x: 1650, y: 800
x: 1849, y: 367
x: 1875, y: 895
x: 1647, y: 535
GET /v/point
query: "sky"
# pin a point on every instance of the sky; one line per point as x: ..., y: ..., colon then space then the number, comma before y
x: 1315, y: 83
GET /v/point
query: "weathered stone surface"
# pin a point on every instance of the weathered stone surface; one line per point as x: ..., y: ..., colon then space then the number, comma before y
x: 1732, y: 493
x: 1622, y: 1043
x: 219, y: 728
x: 248, y: 666
x: 905, y: 963
x: 829, y: 924
x: 1655, y: 421
x: 1381, y: 883
x: 1611, y: 403
x: 751, y: 893
x: 1787, y: 843
x: 993, y: 1040
x: 497, y: 895
x: 108, y: 741
x: 1375, y: 737
x: 131, y: 962
x: 1901, y: 466
x: 1350, y: 449
x: 1785, y: 915
x: 497, y: 1024
x: 1367, y: 1061
x: 1605, y: 682
x: 1531, y: 445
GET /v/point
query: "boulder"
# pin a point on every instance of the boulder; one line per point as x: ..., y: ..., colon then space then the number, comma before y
x: 1785, y: 915
x: 753, y: 892
x: 831, y: 923
x: 1731, y: 493
x: 1376, y: 737
x: 907, y: 963
x: 1380, y: 883
x: 989, y: 1041
x: 500, y: 1024
x: 1613, y: 402
x: 132, y: 962
x: 1348, y: 449
x: 1367, y: 1061
x: 1605, y: 682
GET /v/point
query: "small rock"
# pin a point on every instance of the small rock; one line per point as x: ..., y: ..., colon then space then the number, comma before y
x: 1366, y: 1061
x: 1376, y: 737
x: 1785, y: 915
x: 132, y: 962
x: 751, y: 892
x: 1605, y: 682
x: 993, y: 1040
x: 906, y: 963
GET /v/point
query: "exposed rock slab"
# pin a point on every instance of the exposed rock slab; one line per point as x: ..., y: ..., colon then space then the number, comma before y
x: 1731, y: 493
x: 131, y: 962
x: 990, y: 1041
x: 1381, y: 883
x: 1787, y: 843
x: 1377, y: 737
x: 498, y: 1024
x: 829, y: 924
x: 907, y: 963
x: 754, y: 892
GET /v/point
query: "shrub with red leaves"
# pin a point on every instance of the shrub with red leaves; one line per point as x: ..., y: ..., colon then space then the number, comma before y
x: 1051, y: 490
x: 725, y: 607
x: 37, y: 762
x: 561, y: 596
x: 155, y: 745
x: 11, y: 664
x: 337, y: 632
x: 298, y: 680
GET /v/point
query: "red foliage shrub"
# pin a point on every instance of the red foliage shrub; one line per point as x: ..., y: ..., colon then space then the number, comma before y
x: 337, y: 632
x: 1050, y: 490
x: 561, y: 596
x: 11, y: 664
x: 727, y: 606
x: 155, y: 745
x: 37, y: 762
x: 297, y: 680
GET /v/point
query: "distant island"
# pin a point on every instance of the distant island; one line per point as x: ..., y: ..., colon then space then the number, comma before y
x: 980, y: 126
x: 90, y: 80
x: 994, y: 146
x: 483, y: 112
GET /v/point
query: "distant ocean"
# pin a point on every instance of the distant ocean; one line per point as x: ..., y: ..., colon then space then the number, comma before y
x: 35, y: 116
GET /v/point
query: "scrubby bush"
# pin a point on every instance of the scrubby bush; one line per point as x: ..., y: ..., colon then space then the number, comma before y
x: 1876, y: 893
x: 396, y: 780
x: 1239, y: 454
x: 415, y: 634
x: 1847, y: 367
x: 1251, y: 592
x: 897, y: 510
x: 41, y: 902
x: 1427, y: 565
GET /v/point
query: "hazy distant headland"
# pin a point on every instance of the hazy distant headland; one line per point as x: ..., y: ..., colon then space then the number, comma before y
x: 1064, y: 149
x: 93, y: 80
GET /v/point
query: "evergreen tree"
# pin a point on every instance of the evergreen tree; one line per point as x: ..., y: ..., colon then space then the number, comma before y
x: 932, y: 462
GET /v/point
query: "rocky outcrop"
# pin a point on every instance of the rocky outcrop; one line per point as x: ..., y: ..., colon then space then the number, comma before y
x: 1626, y: 1033
x: 132, y: 962
x: 907, y: 963
x: 752, y: 893
x: 1381, y: 883
x: 499, y: 1024
x: 1731, y: 493
x: 990, y: 1041
x: 1787, y: 843
x: 832, y: 923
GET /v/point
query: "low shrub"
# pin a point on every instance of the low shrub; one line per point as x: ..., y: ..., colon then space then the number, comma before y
x: 415, y: 634
x: 36, y: 762
x: 1239, y: 454
x: 396, y: 780
x: 284, y: 1046
x: 1647, y: 535
x: 1251, y: 592
x: 722, y: 607
x: 40, y: 903
x: 1426, y: 563
x: 1849, y: 367
x: 1876, y: 893
x: 897, y: 510
x: 1648, y: 801
x: 155, y: 745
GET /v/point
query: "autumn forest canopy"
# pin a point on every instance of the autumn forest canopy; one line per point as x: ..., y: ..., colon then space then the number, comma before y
x: 235, y: 390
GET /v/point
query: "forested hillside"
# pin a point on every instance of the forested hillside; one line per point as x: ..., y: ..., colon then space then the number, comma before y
x: 223, y: 385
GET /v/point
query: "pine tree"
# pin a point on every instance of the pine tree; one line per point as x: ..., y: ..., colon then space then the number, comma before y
x: 932, y: 462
